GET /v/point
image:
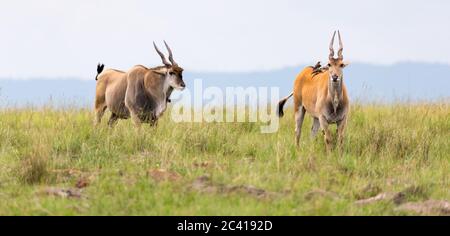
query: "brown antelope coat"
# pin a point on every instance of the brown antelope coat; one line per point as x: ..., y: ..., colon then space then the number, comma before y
x: 141, y: 93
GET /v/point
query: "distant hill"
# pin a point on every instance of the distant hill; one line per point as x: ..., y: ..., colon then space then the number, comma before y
x: 366, y: 83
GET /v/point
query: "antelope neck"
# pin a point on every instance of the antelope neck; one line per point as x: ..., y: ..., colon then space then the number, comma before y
x: 335, y: 93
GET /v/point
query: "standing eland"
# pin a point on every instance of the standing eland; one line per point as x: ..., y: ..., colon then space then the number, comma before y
x: 141, y: 93
x: 321, y: 92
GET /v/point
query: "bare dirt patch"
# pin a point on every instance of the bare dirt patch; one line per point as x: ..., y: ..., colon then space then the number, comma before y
x: 429, y: 207
x: 83, y: 179
x: 67, y: 172
x: 160, y: 175
x: 83, y: 182
x: 319, y: 193
x: 377, y: 198
x: 403, y: 201
x: 62, y: 192
x: 397, y: 198
x: 368, y: 191
x: 205, y: 185
x: 203, y: 164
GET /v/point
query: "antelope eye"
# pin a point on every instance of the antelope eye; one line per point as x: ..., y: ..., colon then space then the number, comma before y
x: 329, y: 65
x: 342, y: 65
x: 171, y: 73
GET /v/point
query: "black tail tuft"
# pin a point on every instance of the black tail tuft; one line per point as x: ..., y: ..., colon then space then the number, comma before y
x: 281, y: 105
x: 100, y: 68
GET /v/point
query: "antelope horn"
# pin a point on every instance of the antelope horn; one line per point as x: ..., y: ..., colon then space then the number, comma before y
x: 170, y: 54
x: 164, y: 61
x: 341, y: 47
x: 331, y: 47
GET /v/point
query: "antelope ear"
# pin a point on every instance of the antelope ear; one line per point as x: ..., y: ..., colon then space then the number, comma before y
x: 345, y: 64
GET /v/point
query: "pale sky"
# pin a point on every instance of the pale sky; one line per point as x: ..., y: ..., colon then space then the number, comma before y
x: 54, y: 38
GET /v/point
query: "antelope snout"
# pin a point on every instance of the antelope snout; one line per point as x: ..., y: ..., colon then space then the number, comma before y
x: 335, y: 78
x: 181, y: 86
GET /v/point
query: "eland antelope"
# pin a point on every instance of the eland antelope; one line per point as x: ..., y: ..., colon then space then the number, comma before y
x: 140, y: 93
x: 321, y: 93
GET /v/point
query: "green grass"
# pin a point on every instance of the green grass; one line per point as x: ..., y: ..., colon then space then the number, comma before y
x: 387, y: 148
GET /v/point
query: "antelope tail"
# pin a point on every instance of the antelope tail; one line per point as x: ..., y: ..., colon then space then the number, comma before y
x: 281, y: 105
x: 99, y: 70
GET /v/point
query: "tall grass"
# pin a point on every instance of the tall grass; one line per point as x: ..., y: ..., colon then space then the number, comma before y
x: 387, y: 148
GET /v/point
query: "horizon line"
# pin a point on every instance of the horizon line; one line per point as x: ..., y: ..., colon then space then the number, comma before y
x: 265, y: 70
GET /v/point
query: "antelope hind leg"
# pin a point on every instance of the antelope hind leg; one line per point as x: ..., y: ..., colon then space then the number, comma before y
x: 299, y: 117
x: 341, y: 125
x: 99, y: 112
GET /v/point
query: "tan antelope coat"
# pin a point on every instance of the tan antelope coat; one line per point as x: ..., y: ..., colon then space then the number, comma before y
x: 321, y: 92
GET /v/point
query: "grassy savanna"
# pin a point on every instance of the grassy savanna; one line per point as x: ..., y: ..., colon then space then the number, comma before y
x: 155, y: 171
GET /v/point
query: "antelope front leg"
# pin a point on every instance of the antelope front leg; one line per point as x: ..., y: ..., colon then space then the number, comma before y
x: 315, y: 127
x: 161, y: 109
x: 153, y: 120
x: 341, y: 131
x: 324, y: 125
x: 136, y: 120
x: 113, y: 120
